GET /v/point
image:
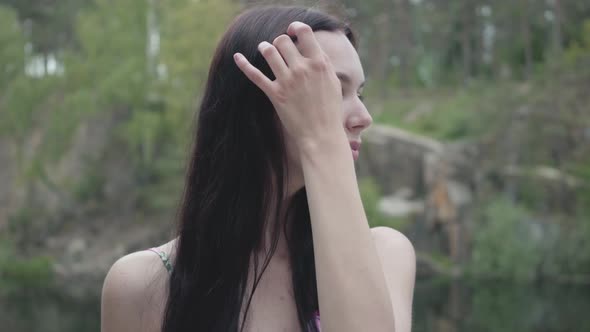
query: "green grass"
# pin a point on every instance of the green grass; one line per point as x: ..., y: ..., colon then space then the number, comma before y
x: 18, y: 273
x: 444, y: 114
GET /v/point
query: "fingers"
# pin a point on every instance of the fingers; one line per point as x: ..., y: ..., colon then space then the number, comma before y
x: 287, y: 48
x: 273, y: 58
x: 308, y: 44
x: 253, y: 73
x: 282, y: 54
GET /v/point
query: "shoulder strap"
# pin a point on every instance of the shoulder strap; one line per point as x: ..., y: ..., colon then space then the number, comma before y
x: 164, y: 257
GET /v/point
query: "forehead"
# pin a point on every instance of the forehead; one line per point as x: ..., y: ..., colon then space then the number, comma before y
x: 344, y: 57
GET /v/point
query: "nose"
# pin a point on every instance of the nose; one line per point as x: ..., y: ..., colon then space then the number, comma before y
x: 358, y: 120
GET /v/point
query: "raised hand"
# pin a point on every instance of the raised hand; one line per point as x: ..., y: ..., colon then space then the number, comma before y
x: 306, y: 93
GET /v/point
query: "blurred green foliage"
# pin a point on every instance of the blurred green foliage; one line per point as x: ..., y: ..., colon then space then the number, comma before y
x: 18, y: 274
x: 506, y: 243
x: 442, y: 114
x: 516, y: 307
x: 542, y: 230
x: 111, y: 72
x: 509, y: 77
x: 370, y: 195
x: 427, y: 71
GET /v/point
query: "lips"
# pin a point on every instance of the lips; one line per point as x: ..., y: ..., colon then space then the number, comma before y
x: 355, y: 146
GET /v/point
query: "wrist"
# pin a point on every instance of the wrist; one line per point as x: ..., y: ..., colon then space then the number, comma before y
x: 330, y: 145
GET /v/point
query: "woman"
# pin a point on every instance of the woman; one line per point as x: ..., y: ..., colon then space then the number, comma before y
x: 272, y: 229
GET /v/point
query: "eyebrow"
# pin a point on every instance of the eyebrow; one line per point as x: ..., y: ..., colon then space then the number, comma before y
x: 345, y: 78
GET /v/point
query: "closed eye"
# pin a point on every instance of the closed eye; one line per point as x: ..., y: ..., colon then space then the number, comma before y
x: 345, y: 80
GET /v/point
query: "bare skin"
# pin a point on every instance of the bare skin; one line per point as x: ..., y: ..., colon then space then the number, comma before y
x: 365, y: 276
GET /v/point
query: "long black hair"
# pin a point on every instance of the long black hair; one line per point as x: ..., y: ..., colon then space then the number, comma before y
x: 235, y: 187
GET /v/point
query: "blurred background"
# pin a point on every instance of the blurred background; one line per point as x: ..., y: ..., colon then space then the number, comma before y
x: 479, y: 152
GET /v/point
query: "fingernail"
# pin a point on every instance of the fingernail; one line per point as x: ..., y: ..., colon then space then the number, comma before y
x: 292, y: 26
x: 263, y: 45
x: 238, y: 56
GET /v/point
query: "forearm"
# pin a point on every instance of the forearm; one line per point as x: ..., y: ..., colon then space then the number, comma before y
x: 352, y: 289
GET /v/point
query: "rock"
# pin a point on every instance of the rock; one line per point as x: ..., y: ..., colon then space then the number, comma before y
x: 76, y: 248
x: 554, y: 189
x: 395, y: 158
x: 393, y: 206
x: 460, y: 195
x: 425, y: 180
x: 400, y: 204
x: 543, y: 173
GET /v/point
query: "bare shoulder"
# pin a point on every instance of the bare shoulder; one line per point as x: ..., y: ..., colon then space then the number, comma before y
x: 392, y: 242
x: 129, y: 275
x: 398, y: 260
x: 133, y: 292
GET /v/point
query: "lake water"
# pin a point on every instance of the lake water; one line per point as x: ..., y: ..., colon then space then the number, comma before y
x: 439, y: 306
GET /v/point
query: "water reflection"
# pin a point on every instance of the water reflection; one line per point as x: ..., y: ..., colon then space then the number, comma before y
x: 48, y: 311
x: 439, y: 306
x: 500, y: 307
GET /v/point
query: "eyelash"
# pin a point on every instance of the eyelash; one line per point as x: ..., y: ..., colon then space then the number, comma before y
x: 361, y: 97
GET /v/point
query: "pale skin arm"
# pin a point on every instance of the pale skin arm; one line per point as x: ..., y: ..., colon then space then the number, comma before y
x: 398, y: 260
x: 360, y: 287
x: 130, y: 292
x: 363, y: 284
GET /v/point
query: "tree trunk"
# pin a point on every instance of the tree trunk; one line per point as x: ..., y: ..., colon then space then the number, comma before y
x: 526, y: 39
x: 467, y: 19
x: 405, y: 40
x: 557, y: 23
x: 382, y: 51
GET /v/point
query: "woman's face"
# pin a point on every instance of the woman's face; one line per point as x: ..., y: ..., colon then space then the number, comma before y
x: 346, y: 63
